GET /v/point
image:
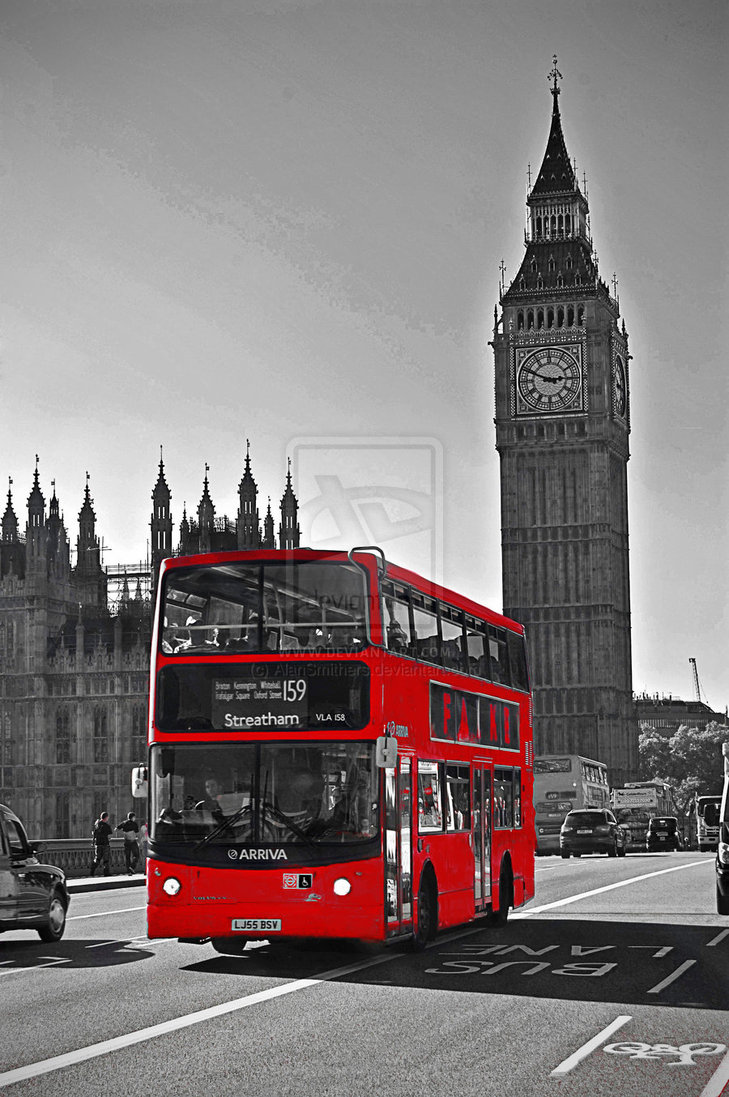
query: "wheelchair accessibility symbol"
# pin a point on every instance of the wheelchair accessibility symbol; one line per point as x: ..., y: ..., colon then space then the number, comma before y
x: 685, y: 1052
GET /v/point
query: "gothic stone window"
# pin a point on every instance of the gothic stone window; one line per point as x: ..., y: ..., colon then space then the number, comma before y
x: 101, y: 741
x: 63, y: 738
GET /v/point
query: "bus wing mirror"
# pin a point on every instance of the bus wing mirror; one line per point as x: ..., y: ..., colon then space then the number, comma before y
x: 140, y: 781
x: 386, y: 752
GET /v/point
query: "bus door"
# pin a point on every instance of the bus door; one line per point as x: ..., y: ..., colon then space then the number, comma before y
x: 398, y: 849
x: 481, y: 834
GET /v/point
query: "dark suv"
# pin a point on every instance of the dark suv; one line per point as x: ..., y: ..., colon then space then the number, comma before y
x: 32, y: 895
x: 592, y: 830
x: 663, y: 833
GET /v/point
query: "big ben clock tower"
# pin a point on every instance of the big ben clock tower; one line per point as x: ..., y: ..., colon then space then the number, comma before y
x: 562, y: 426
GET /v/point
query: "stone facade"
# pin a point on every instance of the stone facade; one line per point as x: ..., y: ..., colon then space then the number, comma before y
x: 74, y: 652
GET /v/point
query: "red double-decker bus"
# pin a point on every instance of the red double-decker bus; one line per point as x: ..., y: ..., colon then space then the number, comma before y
x: 338, y: 748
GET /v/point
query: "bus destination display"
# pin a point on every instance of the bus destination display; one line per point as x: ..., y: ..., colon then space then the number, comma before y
x: 264, y: 696
x: 269, y: 702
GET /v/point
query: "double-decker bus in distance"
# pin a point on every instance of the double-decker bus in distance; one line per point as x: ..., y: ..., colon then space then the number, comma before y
x: 338, y: 748
x: 704, y: 821
x: 562, y: 783
x: 722, y: 848
x: 637, y: 803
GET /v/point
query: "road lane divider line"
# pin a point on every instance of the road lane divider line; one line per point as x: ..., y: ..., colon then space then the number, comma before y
x: 719, y: 937
x: 571, y: 1062
x: 718, y: 1084
x: 602, y: 890
x: 671, y: 978
x: 105, y: 1047
x: 103, y: 913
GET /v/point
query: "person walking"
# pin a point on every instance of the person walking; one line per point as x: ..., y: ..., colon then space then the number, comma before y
x: 100, y: 836
x: 130, y: 829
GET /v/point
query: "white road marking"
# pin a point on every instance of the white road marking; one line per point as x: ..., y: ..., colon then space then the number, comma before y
x: 568, y: 1064
x: 103, y: 913
x: 52, y: 962
x: 719, y: 937
x: 718, y: 1080
x: 607, y: 887
x: 93, y: 1051
x: 671, y: 978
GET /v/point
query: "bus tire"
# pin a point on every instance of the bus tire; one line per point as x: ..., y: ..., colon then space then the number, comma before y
x: 228, y: 946
x: 427, y: 920
x: 500, y: 914
x: 722, y: 902
x: 565, y: 855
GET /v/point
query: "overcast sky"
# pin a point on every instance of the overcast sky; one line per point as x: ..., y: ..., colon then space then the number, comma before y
x: 283, y: 221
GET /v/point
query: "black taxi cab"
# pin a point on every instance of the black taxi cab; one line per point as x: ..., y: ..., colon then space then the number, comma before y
x: 32, y: 895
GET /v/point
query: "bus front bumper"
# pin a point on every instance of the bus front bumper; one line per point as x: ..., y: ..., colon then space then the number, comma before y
x: 255, y: 904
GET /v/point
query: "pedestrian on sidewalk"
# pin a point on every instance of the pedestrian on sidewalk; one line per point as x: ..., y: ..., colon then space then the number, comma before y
x: 100, y: 836
x: 130, y: 829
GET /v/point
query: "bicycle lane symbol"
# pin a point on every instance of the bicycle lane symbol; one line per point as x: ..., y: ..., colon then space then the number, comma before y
x: 668, y: 1055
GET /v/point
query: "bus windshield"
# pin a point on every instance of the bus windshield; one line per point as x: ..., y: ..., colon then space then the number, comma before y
x: 266, y: 607
x: 242, y: 794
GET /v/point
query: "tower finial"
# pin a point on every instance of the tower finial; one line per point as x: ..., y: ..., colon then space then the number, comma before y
x: 554, y: 75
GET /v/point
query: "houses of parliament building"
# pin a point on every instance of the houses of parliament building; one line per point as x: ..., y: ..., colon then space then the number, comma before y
x: 74, y: 647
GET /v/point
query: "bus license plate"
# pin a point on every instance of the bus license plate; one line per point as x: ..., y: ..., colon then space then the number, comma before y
x: 256, y: 925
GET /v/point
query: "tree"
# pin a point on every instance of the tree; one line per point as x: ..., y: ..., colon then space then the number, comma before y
x: 690, y: 760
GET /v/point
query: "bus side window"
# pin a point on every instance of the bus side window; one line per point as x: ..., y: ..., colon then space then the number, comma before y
x: 430, y: 812
x: 477, y: 649
x: 458, y: 810
x: 397, y: 619
x: 499, y: 656
x: 425, y: 625
x: 503, y: 798
x: 451, y: 625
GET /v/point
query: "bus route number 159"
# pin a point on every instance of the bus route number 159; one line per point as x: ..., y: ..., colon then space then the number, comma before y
x: 294, y: 689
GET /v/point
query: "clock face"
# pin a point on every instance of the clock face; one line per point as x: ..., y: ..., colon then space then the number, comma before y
x: 550, y: 380
x: 619, y: 387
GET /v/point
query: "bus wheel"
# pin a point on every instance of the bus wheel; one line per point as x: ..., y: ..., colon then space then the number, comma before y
x: 506, y: 897
x: 722, y: 902
x: 228, y: 946
x: 565, y: 855
x: 427, y: 913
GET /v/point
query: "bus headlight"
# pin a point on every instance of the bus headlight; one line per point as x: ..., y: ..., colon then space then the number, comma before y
x: 722, y: 853
x: 342, y: 886
x: 171, y: 885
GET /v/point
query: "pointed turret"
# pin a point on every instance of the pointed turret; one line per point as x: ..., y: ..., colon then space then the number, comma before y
x: 10, y: 522
x: 269, y: 533
x: 161, y: 524
x: 248, y: 527
x: 206, y: 516
x: 57, y: 539
x: 289, y: 533
x: 88, y: 550
x: 559, y: 257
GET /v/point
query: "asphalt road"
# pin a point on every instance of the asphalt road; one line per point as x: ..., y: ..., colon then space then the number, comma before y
x: 614, y: 980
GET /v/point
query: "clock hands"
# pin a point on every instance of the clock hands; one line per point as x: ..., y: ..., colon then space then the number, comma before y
x: 544, y: 377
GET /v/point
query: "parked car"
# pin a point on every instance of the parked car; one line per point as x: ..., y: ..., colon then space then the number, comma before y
x: 32, y: 895
x: 663, y: 833
x: 592, y: 830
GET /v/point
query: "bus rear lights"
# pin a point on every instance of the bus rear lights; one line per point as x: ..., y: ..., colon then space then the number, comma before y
x: 342, y: 886
x: 171, y: 885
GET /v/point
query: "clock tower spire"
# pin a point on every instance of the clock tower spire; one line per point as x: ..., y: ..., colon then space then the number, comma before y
x: 562, y: 427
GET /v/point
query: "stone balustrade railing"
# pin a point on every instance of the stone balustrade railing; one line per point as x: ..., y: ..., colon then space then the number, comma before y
x: 75, y: 855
